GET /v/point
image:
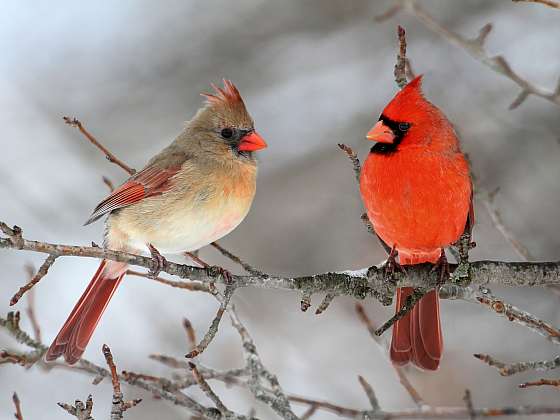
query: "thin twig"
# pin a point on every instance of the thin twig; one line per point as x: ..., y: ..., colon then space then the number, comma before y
x: 549, y: 3
x: 79, y: 410
x: 518, y: 316
x: 353, y: 158
x: 540, y: 382
x: 508, y: 369
x: 191, y: 335
x: 400, y: 67
x: 191, y: 285
x: 475, y: 48
x: 407, y: 385
x: 247, y: 267
x: 110, y: 156
x: 487, y: 199
x: 42, y: 272
x: 469, y: 404
x: 325, y: 303
x: 30, y: 310
x: 370, y: 393
x: 212, y: 331
x: 410, y: 302
x: 119, y: 406
x: 17, y: 404
x: 208, y: 391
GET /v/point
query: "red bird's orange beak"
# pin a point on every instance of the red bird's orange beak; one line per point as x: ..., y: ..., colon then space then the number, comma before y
x: 252, y: 142
x: 381, y: 133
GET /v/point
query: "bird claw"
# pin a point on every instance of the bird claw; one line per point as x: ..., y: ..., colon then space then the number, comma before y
x: 215, y: 270
x: 391, y: 266
x: 158, y: 260
x: 443, y: 265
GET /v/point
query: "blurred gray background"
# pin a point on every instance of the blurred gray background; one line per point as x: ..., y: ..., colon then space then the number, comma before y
x: 313, y: 73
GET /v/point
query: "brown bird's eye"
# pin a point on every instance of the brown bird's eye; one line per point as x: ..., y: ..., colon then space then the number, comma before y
x: 227, y: 133
x: 404, y: 126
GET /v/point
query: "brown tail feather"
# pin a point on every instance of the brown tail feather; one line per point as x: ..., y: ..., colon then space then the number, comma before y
x: 417, y: 337
x: 76, y: 332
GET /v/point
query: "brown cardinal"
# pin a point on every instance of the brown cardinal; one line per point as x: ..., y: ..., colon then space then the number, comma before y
x: 195, y: 191
x: 417, y: 191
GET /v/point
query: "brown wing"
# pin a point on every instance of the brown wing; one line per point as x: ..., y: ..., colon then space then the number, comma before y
x: 148, y: 182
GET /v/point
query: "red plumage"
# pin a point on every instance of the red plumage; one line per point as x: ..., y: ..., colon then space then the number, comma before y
x: 76, y: 332
x: 417, y: 191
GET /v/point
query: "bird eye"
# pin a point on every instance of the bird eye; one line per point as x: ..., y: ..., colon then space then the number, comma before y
x: 227, y: 133
x: 404, y: 126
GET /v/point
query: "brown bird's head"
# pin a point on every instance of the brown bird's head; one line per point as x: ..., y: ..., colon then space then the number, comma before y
x: 223, y: 126
x: 410, y: 119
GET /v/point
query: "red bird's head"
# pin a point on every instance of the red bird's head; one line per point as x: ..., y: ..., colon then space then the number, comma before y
x: 409, y: 119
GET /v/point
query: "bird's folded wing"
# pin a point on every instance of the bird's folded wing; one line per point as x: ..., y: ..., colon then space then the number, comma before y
x: 148, y: 182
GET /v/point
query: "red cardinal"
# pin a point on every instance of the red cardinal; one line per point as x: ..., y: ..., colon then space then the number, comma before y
x: 195, y: 191
x: 417, y: 191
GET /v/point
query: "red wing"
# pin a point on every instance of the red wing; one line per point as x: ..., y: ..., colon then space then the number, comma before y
x: 148, y: 182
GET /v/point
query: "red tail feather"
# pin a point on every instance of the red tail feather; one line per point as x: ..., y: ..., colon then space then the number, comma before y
x: 417, y: 337
x: 76, y: 332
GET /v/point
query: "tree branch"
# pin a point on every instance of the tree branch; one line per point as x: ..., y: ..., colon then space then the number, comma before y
x: 549, y: 3
x: 110, y: 157
x: 475, y: 48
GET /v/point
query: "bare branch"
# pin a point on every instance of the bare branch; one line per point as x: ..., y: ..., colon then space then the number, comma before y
x: 409, y: 303
x: 475, y: 48
x: 412, y: 392
x: 247, y: 267
x: 358, y: 283
x: 325, y: 303
x: 42, y: 272
x: 370, y: 393
x: 276, y: 398
x: 17, y: 404
x: 540, y: 382
x: 110, y: 156
x: 469, y: 404
x: 208, y: 391
x: 353, y: 158
x: 119, y: 406
x: 400, y: 67
x: 487, y: 199
x: 192, y: 285
x: 508, y: 369
x: 30, y: 310
x: 79, y: 410
x: 518, y: 316
x: 549, y: 3
x: 191, y: 335
x: 212, y: 331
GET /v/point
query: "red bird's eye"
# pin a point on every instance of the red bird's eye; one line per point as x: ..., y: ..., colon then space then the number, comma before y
x: 404, y: 126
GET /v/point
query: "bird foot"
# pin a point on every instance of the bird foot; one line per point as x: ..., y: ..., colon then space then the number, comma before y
x: 212, y: 270
x: 392, y: 266
x: 158, y: 260
x: 443, y: 266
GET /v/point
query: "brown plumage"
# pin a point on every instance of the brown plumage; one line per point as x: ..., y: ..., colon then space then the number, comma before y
x: 195, y: 191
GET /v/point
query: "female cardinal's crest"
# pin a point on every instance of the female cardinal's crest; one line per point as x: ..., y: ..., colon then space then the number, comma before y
x: 228, y: 95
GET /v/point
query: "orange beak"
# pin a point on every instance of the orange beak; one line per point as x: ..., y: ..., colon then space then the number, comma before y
x: 252, y: 142
x: 381, y: 133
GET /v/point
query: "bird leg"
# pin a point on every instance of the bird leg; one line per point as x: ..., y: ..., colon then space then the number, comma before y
x: 391, y: 265
x: 159, y: 261
x: 211, y: 269
x: 443, y: 266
